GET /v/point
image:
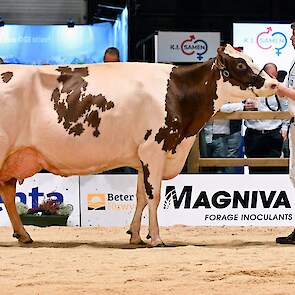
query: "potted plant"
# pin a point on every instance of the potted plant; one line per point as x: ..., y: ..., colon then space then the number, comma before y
x: 49, y: 212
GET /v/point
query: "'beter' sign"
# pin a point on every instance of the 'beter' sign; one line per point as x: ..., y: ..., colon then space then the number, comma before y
x: 216, y: 200
x: 187, y: 46
x: 108, y: 200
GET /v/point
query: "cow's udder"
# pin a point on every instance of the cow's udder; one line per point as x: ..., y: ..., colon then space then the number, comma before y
x: 21, y: 164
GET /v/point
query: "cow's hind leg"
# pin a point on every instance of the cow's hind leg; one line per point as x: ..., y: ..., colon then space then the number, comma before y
x: 152, y: 161
x: 141, y: 202
x: 7, y: 192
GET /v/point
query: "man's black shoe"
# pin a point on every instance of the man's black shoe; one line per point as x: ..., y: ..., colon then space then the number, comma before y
x: 290, y: 239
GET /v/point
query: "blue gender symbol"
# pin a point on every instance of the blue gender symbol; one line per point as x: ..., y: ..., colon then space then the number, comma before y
x: 278, y: 49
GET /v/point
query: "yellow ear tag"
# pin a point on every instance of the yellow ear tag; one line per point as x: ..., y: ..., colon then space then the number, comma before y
x: 169, y: 156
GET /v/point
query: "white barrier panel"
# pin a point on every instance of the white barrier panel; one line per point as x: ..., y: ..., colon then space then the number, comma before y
x: 108, y: 200
x: 200, y: 200
x: 234, y: 200
x: 39, y: 186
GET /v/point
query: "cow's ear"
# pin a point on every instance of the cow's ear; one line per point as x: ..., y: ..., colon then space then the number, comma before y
x: 220, y: 58
x: 220, y: 49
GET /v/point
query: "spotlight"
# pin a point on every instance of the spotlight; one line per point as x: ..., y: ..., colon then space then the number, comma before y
x: 70, y: 23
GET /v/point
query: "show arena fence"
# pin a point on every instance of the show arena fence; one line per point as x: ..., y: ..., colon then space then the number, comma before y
x: 194, y: 161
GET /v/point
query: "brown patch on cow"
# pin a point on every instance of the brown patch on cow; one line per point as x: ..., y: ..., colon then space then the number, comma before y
x: 189, y: 103
x: 148, y: 187
x: 78, y: 104
x: 6, y: 77
x: 77, y: 129
x: 148, y: 134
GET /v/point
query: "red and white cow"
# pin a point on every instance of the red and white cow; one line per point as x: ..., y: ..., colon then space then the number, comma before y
x: 85, y: 119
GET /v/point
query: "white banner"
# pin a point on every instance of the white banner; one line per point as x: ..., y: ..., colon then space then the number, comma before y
x: 233, y: 200
x: 42, y: 185
x: 186, y: 46
x: 198, y: 200
x: 108, y: 200
x: 265, y: 43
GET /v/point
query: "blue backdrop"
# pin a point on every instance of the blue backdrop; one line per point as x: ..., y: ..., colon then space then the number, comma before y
x: 58, y: 44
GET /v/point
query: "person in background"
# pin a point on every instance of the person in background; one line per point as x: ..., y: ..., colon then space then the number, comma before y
x: 222, y: 139
x: 264, y: 138
x: 111, y: 54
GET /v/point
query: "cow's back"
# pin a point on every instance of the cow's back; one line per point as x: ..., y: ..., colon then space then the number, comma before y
x: 88, y: 118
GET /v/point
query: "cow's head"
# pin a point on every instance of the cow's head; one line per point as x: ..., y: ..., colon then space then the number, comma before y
x: 240, y: 77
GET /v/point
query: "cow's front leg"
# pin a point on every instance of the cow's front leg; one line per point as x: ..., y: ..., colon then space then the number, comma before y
x: 7, y: 192
x: 141, y: 202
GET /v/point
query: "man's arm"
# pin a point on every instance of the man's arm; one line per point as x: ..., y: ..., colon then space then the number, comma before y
x: 284, y: 107
x: 232, y: 107
x: 282, y: 90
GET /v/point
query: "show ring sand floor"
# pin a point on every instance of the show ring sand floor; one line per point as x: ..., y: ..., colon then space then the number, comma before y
x: 198, y: 260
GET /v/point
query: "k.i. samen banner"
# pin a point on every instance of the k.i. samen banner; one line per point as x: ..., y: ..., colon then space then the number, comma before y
x: 210, y: 200
x: 265, y: 42
x: 186, y: 46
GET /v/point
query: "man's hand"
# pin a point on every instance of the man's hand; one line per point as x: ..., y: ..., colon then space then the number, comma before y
x: 284, y: 134
x: 281, y: 90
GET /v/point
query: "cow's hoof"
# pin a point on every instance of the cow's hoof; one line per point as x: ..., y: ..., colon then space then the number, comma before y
x: 23, y: 239
x: 137, y: 242
x: 157, y: 243
x: 133, y: 240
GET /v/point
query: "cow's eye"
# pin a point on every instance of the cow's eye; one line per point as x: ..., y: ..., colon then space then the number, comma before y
x: 241, y: 66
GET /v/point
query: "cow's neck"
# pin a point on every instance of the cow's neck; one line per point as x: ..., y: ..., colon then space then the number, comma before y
x: 191, y: 94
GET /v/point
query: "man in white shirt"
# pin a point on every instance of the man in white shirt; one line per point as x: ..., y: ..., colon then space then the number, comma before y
x: 264, y: 138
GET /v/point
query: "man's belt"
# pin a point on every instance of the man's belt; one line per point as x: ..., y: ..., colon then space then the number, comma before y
x: 255, y: 131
